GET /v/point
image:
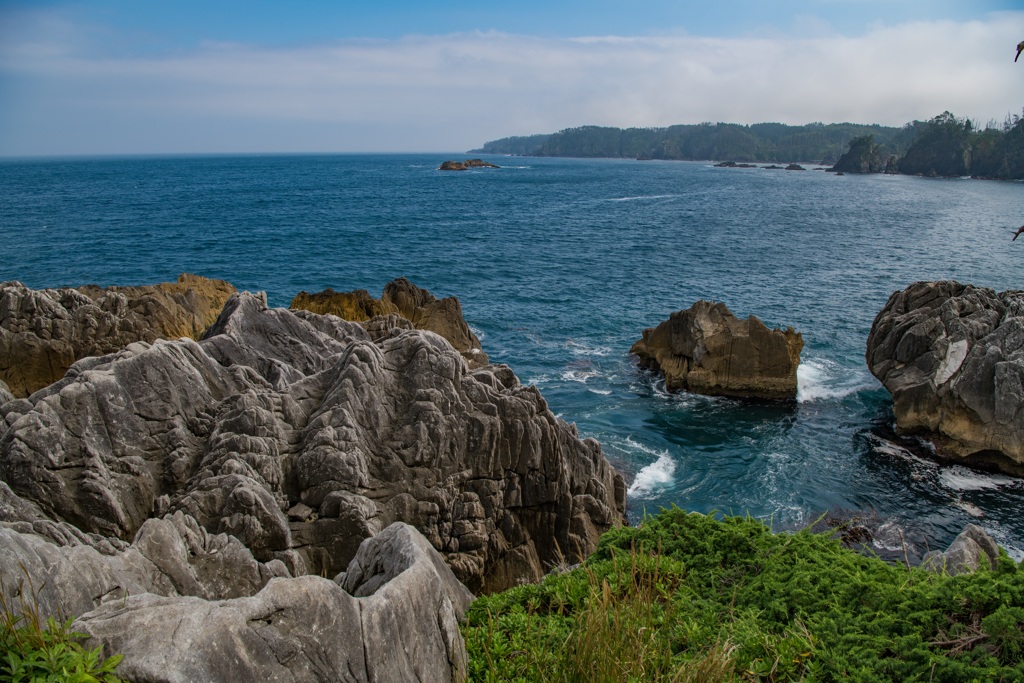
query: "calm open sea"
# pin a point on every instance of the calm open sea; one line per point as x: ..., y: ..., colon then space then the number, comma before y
x: 560, y: 264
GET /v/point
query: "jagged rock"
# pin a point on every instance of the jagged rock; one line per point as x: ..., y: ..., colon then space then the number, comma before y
x: 274, y: 408
x: 952, y: 356
x: 42, y: 332
x: 403, y: 626
x: 707, y: 350
x: 795, y: 167
x: 452, y: 165
x: 68, y: 572
x: 5, y: 393
x: 967, y: 553
x: 400, y: 301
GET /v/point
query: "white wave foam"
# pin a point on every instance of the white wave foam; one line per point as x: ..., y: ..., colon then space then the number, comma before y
x: 479, y: 334
x: 654, y: 476
x: 579, y: 349
x: 642, y: 197
x: 962, y: 479
x: 580, y: 376
x: 539, y: 379
x: 601, y: 392
x: 818, y: 379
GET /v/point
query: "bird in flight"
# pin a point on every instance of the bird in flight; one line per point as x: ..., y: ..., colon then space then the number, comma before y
x: 1020, y: 48
x: 1017, y: 234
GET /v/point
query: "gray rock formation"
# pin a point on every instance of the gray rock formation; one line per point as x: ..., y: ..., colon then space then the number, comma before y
x: 300, y: 436
x: 395, y: 618
x: 952, y: 356
x: 707, y: 350
x: 42, y: 332
x: 403, y: 305
x: 968, y: 552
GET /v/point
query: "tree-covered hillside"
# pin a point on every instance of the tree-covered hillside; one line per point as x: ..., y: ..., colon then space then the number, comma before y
x: 768, y: 142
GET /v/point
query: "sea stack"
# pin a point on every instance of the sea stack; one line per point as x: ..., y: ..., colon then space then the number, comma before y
x: 952, y: 356
x: 708, y: 350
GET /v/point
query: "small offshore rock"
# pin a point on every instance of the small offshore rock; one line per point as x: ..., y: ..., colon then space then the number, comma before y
x: 708, y: 350
x: 452, y: 165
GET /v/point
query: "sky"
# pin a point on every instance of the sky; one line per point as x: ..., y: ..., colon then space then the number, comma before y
x: 117, y: 77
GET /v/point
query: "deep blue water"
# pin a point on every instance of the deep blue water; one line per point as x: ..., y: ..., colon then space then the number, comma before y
x: 560, y: 264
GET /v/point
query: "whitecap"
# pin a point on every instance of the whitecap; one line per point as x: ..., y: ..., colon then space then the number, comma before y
x: 642, y: 197
x: 656, y: 475
x: 479, y: 333
x: 580, y: 376
x: 600, y: 392
x: 963, y: 479
x: 539, y: 379
x: 580, y: 349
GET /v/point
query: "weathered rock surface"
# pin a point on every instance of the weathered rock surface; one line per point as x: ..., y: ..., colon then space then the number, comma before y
x: 452, y: 165
x: 401, y: 301
x: 707, y: 350
x: 42, y: 332
x: 275, y: 408
x: 952, y: 356
x: 395, y: 619
x: 968, y: 552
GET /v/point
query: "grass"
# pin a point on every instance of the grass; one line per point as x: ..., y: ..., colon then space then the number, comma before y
x: 688, y: 597
x: 46, y: 651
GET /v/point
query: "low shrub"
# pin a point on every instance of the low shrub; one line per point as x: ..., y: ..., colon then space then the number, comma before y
x: 689, y: 597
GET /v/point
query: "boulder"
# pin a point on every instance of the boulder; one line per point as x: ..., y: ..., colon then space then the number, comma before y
x: 276, y: 408
x: 396, y: 619
x: 400, y: 301
x: 42, y: 332
x: 707, y: 350
x: 968, y: 552
x: 952, y: 356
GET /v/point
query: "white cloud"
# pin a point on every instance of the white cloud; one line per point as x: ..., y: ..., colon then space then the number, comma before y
x: 454, y: 92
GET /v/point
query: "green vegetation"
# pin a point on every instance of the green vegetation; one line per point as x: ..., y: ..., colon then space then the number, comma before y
x: 767, y: 142
x: 943, y: 146
x: 687, y: 597
x: 39, y: 651
x: 950, y: 146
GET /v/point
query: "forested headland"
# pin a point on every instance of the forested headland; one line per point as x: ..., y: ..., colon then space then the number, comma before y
x: 945, y: 145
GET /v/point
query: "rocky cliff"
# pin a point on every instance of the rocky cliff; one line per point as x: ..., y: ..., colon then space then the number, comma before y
x: 952, y: 356
x: 42, y: 332
x: 300, y: 436
x: 402, y: 305
x: 707, y: 350
x: 200, y: 483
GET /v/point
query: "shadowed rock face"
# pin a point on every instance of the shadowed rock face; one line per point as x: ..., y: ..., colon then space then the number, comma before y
x: 403, y: 305
x: 707, y: 350
x: 42, y: 332
x: 952, y: 356
x: 300, y: 436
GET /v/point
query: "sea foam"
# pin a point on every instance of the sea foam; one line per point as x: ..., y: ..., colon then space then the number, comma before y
x: 656, y: 475
x: 820, y: 380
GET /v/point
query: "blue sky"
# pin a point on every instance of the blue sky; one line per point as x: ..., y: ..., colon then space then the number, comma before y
x: 116, y: 77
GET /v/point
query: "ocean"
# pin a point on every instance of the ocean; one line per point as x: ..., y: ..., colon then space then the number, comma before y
x: 560, y: 264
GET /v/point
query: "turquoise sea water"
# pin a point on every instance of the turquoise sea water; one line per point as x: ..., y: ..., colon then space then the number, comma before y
x: 560, y: 264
